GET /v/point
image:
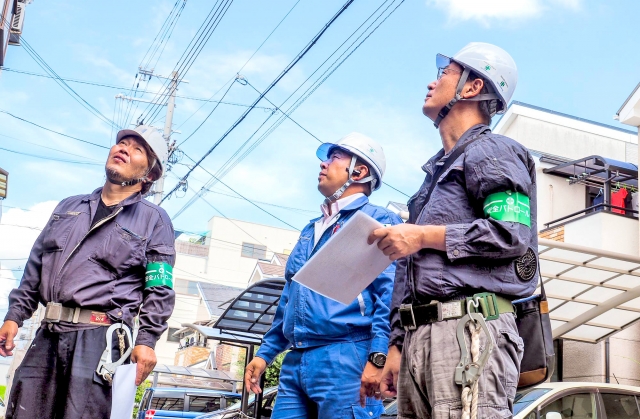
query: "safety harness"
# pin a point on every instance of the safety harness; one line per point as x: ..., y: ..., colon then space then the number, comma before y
x: 107, y: 367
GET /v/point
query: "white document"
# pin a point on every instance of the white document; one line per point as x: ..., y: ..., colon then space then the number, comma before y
x: 123, y: 391
x: 346, y: 264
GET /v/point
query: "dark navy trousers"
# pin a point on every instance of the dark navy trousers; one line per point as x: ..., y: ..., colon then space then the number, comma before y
x: 57, y: 378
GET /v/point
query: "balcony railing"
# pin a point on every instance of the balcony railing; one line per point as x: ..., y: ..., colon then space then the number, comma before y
x: 628, y: 213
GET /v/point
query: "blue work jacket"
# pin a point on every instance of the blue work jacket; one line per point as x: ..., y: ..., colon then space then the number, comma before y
x: 306, y: 319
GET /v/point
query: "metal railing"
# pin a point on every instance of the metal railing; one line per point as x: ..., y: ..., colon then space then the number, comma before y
x: 629, y: 213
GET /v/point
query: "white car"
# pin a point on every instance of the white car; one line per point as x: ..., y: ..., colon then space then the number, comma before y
x: 578, y: 400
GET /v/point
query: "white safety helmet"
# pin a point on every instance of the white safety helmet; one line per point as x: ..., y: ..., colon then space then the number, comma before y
x: 494, y: 65
x: 154, y: 140
x: 358, y: 145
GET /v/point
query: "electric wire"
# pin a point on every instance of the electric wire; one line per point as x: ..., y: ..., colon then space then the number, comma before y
x: 228, y: 165
x: 231, y: 80
x: 305, y: 50
x: 53, y: 131
x: 191, y: 53
x: 68, y: 89
x: 49, y: 148
x: 50, y: 158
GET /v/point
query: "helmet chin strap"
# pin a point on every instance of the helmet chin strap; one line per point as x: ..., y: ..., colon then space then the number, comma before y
x: 463, y: 79
x: 337, y: 194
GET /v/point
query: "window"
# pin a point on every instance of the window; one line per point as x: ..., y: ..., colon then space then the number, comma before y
x: 526, y: 397
x: 183, y: 286
x: 170, y: 337
x: 168, y: 403
x: 255, y: 251
x: 620, y: 406
x: 204, y: 404
x: 578, y: 406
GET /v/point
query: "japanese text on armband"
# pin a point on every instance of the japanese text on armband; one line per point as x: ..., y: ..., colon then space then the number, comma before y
x: 158, y: 274
x: 508, y: 206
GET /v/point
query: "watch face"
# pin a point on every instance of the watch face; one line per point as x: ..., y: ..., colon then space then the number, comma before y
x: 378, y: 359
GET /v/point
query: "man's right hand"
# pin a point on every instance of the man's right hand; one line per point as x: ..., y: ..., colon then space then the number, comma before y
x: 389, y: 383
x: 8, y: 332
x: 252, y: 374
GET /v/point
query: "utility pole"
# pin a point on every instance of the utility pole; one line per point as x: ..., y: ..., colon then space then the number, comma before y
x: 159, y: 186
x: 171, y: 104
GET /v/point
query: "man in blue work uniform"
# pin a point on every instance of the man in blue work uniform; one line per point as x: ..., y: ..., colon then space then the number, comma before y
x: 338, y: 351
x: 473, y: 231
x: 101, y: 260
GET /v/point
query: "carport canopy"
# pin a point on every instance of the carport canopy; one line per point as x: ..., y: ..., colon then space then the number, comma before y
x: 248, y: 317
x: 592, y: 293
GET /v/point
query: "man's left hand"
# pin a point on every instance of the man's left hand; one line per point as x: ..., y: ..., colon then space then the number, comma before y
x: 370, y: 383
x: 145, y: 357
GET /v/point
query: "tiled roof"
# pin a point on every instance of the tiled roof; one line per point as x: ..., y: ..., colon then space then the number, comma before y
x: 269, y: 269
x: 282, y: 258
x: 216, y: 294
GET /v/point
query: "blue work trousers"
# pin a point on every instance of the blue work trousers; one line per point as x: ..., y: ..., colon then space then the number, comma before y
x: 326, y: 380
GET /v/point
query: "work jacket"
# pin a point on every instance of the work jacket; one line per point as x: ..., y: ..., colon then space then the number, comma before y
x: 100, y: 268
x: 306, y: 319
x: 482, y: 253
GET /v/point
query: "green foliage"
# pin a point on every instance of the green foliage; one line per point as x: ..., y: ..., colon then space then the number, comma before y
x: 3, y: 389
x: 139, y: 393
x: 272, y: 374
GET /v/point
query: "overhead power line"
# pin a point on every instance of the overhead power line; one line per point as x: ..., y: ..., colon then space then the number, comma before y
x: 191, y: 53
x: 53, y: 131
x: 50, y: 158
x: 68, y: 89
x: 304, y: 51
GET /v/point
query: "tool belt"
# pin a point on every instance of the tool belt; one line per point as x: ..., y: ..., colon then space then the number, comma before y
x: 56, y: 313
x: 490, y: 305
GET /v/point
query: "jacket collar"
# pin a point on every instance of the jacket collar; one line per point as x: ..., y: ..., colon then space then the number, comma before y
x: 441, y: 156
x: 131, y: 199
x: 357, y: 204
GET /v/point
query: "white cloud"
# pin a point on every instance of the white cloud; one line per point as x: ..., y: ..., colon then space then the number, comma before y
x: 487, y: 11
x: 19, y: 229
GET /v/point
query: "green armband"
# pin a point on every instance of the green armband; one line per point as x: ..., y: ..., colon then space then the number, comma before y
x: 158, y: 274
x: 508, y: 206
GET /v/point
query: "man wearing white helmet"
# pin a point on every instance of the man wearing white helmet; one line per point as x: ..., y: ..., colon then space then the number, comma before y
x: 338, y: 351
x: 101, y: 260
x: 470, y: 247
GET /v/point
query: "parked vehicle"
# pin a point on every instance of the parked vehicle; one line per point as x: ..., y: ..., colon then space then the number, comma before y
x: 233, y: 412
x: 165, y: 403
x: 578, y: 400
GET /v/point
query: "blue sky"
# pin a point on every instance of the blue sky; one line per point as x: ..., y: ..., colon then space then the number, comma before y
x: 573, y: 56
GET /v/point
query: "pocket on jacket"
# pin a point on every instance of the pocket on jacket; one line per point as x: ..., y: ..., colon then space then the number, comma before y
x: 370, y: 410
x: 121, y: 250
x: 57, y: 231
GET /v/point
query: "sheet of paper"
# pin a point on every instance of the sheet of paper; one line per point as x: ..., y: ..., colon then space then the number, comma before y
x: 346, y: 264
x: 123, y: 391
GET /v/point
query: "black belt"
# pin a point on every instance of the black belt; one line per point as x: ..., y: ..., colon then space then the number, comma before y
x: 489, y: 304
x: 56, y: 312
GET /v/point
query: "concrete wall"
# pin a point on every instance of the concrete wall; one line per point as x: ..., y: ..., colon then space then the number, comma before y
x: 604, y: 231
x: 556, y: 198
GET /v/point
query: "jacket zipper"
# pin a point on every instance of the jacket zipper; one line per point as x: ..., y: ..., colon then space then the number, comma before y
x: 96, y: 225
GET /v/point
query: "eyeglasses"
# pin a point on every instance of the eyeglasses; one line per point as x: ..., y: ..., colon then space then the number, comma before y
x: 446, y: 70
x: 335, y: 155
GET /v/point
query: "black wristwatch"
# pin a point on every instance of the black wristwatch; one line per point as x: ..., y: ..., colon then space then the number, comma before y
x: 378, y: 359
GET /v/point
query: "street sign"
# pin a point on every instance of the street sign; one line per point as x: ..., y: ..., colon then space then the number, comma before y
x: 4, y: 176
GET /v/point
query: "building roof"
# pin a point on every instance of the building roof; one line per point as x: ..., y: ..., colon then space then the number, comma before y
x: 628, y: 99
x: 397, y: 205
x: 506, y: 119
x: 281, y: 258
x: 271, y: 269
x: 215, y: 295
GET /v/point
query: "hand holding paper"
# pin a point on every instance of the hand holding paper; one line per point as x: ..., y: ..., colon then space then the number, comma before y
x: 346, y: 264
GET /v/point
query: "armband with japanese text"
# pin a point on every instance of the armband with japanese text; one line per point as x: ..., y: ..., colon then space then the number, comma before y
x: 508, y: 206
x: 158, y: 274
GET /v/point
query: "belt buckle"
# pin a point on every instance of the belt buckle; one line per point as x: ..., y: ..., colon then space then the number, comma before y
x: 487, y: 304
x: 53, y: 313
x: 404, y: 308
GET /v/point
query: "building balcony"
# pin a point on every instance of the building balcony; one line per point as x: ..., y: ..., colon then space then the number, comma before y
x: 192, y: 249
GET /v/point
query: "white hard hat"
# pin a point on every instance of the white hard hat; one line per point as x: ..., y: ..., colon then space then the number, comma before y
x: 154, y: 140
x: 361, y: 146
x: 493, y: 64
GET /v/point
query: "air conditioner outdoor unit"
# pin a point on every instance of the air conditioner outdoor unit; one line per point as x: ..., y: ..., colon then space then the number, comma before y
x: 16, y: 24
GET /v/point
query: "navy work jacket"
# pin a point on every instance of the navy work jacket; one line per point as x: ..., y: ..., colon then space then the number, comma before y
x: 100, y: 268
x: 481, y: 252
x: 307, y: 319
